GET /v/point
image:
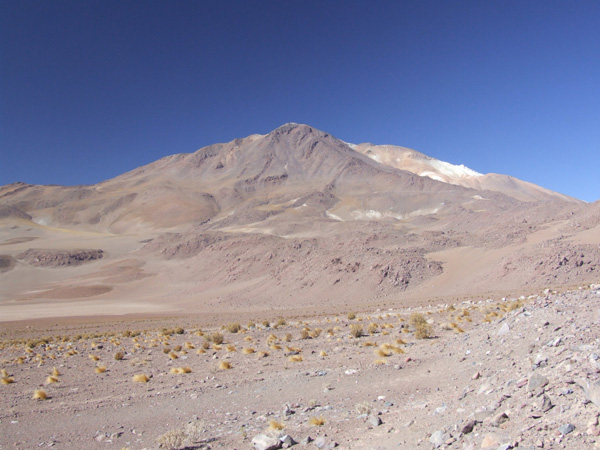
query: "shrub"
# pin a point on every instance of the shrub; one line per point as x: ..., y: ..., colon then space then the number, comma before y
x: 233, y: 327
x: 216, y: 338
x: 351, y: 316
x: 100, y: 369
x: 119, y: 356
x: 372, y: 328
x: 140, y: 378
x: 422, y: 328
x: 356, y: 331
x: 224, y: 365
x: 316, y: 421
x: 40, y: 394
x: 274, y: 425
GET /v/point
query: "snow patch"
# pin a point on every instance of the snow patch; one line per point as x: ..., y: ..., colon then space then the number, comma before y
x: 333, y: 216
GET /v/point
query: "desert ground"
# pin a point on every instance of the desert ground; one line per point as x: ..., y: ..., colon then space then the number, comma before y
x: 512, y: 373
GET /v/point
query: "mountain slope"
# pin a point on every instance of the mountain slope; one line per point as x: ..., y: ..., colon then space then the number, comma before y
x: 292, y: 219
x: 407, y: 159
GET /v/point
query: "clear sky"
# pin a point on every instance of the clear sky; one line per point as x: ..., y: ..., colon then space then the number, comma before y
x: 91, y: 89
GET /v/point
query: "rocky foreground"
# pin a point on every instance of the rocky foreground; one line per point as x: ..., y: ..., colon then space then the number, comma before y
x: 516, y: 373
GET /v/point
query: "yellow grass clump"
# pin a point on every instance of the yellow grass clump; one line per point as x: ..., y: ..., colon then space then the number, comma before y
x: 224, y: 365
x: 248, y: 351
x: 230, y: 348
x: 100, y: 369
x: 51, y: 379
x: 316, y: 421
x: 40, y: 394
x: 55, y: 372
x: 94, y: 357
x: 8, y: 380
x: 173, y: 355
x: 140, y: 378
x: 295, y: 358
x: 274, y: 425
x: 180, y: 370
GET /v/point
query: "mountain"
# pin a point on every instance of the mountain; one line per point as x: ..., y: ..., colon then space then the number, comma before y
x: 407, y: 159
x: 293, y: 219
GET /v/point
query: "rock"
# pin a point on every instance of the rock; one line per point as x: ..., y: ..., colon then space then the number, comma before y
x: 536, y: 381
x: 591, y: 390
x: 593, y: 431
x: 476, y: 376
x: 468, y: 426
x: 546, y: 404
x: 490, y: 441
x: 375, y: 421
x: 287, y: 441
x: 307, y: 440
x: 438, y: 438
x: 566, y: 428
x: 264, y: 442
x: 323, y: 443
x: 499, y: 419
x: 503, y: 330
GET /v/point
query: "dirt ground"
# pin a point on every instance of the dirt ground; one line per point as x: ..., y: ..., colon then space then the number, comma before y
x: 381, y: 390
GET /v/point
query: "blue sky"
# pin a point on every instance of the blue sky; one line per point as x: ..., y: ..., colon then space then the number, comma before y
x: 91, y: 89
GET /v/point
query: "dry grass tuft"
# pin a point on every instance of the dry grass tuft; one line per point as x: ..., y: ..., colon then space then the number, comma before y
x: 372, y: 328
x: 140, y: 378
x: 39, y: 394
x: 224, y: 365
x: 119, y: 356
x: 295, y: 358
x: 173, y: 355
x: 200, y: 351
x: 422, y: 328
x: 248, y: 351
x: 316, y: 421
x: 51, y: 379
x: 230, y: 348
x: 8, y: 380
x: 100, y: 369
x: 233, y: 327
x: 180, y: 370
x: 55, y: 372
x: 277, y: 426
x: 351, y: 316
x: 216, y: 338
x: 356, y: 331
x: 322, y: 353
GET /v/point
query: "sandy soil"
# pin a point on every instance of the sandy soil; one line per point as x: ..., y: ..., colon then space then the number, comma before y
x: 471, y: 369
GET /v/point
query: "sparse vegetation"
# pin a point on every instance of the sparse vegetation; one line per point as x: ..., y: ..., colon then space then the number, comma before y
x: 422, y: 328
x: 316, y: 421
x: 233, y: 327
x: 119, y: 356
x: 225, y: 365
x: 40, y: 394
x: 140, y: 378
x: 356, y: 330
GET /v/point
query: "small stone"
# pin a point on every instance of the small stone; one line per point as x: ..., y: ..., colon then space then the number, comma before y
x: 499, y: 419
x: 375, y: 421
x: 264, y: 442
x: 546, y: 404
x: 287, y: 441
x: 307, y: 440
x: 476, y: 376
x: 504, y: 329
x: 536, y: 381
x: 593, y: 431
x: 566, y: 428
x: 323, y: 443
x: 438, y: 438
x: 468, y: 427
x: 490, y: 441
